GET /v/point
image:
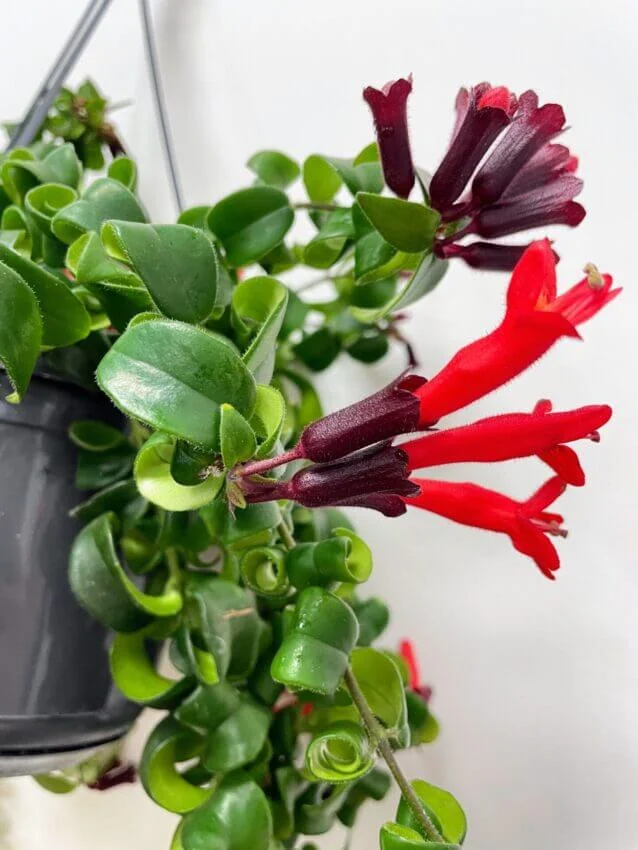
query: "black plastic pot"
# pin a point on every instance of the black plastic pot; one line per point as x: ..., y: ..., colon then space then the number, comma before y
x: 57, y: 701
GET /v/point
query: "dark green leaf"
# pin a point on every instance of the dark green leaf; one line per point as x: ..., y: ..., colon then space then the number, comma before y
x: 175, y: 377
x: 95, y: 436
x: 405, y: 225
x: 319, y: 349
x: 250, y: 223
x: 238, y: 739
x: 103, y: 200
x: 426, y: 277
x: 20, y: 330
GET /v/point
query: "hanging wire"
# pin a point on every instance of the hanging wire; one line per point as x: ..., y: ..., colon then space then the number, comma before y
x: 160, y: 104
x: 48, y: 91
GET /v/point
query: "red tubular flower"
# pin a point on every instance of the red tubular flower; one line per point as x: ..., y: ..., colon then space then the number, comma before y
x: 534, y: 320
x: 526, y: 181
x: 389, y: 111
x: 407, y: 653
x: 514, y: 435
x: 525, y: 523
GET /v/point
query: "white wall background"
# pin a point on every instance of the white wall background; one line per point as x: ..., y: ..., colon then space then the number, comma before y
x: 536, y: 683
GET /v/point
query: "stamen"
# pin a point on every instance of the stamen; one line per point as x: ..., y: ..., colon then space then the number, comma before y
x: 552, y: 528
x: 594, y: 437
x: 594, y: 278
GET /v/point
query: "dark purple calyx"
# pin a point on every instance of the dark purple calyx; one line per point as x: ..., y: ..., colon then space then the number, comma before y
x: 392, y: 411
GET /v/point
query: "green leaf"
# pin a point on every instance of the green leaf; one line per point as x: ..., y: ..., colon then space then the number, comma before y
x: 177, y: 264
x: 427, y: 276
x: 314, y: 656
x: 237, y: 817
x: 236, y: 437
x: 155, y: 482
x: 135, y: 675
x: 124, y: 170
x: 327, y: 245
x: 317, y: 808
x: 102, y: 587
x: 101, y: 469
x: 239, y: 739
x: 121, y: 497
x: 251, y: 526
x: 208, y: 706
x: 373, y: 786
x: 344, y: 557
x: 95, y: 436
x: 250, y: 223
x: 20, y: 172
x: 160, y: 778
x: 20, y: 330
x: 340, y: 753
x: 175, y: 377
x: 369, y: 154
x: 446, y: 810
x: 267, y: 418
x: 319, y: 349
x: 373, y: 616
x: 381, y: 683
x: 405, y: 225
x: 103, y: 200
x: 323, y: 176
x: 259, y: 305
x: 43, y: 202
x: 274, y: 168
x: 64, y: 318
x: 264, y: 571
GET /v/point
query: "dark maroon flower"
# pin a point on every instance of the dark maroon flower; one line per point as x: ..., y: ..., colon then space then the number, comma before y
x: 375, y: 477
x: 117, y: 774
x: 525, y: 181
x: 391, y: 411
x: 389, y: 110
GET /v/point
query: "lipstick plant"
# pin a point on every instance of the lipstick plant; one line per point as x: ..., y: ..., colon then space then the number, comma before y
x: 213, y: 526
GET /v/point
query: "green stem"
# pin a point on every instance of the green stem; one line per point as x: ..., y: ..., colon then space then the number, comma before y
x: 379, y: 739
x: 174, y: 569
x: 286, y: 536
x: 320, y: 207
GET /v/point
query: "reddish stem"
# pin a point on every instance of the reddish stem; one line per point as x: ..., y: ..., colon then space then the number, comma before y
x: 258, y: 467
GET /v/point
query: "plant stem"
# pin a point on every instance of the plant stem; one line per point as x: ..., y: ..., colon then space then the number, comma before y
x: 378, y: 738
x: 286, y: 536
x: 260, y: 466
x: 320, y: 207
x: 174, y: 569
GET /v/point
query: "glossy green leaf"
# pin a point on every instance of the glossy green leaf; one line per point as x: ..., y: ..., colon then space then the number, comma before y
x: 208, y: 706
x: 268, y: 418
x: 160, y: 778
x: 175, y: 377
x: 447, y: 812
x: 317, y: 350
x: 236, y: 437
x: 20, y: 330
x: 373, y: 786
x: 43, y: 202
x: 370, y: 346
x: 122, y: 496
x: 238, y: 740
x: 155, y: 482
x: 237, y: 817
x: 314, y: 656
x: 102, y: 587
x: 259, y: 305
x: 193, y: 660
x: 264, y: 571
x: 177, y: 264
x: 424, y: 727
x: 190, y: 464
x: 343, y: 557
x: 195, y: 217
x: 124, y: 170
x: 404, y: 225
x: 103, y: 200
x: 135, y: 675
x: 250, y: 223
x: 382, y: 686
x: 274, y: 168
x: 64, y: 318
x: 96, y: 470
x: 324, y: 175
x: 373, y: 616
x: 316, y: 809
x: 340, y: 753
x: 95, y: 436
x: 20, y: 172
x: 426, y: 277
x: 327, y: 245
x: 394, y: 836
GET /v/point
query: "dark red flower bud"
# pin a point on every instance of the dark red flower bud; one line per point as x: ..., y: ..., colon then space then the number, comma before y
x: 391, y: 411
x: 483, y: 255
x: 374, y: 478
x: 117, y: 774
x: 389, y: 110
x: 482, y: 113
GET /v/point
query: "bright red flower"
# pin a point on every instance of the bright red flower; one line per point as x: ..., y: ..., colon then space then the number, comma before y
x: 526, y: 181
x: 514, y: 435
x: 534, y: 320
x: 527, y: 524
x: 408, y: 654
x: 389, y: 110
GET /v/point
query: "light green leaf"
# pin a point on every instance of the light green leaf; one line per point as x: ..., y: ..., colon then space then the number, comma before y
x: 124, y: 170
x: 135, y: 675
x: 21, y: 172
x: 448, y: 814
x: 103, y: 200
x: 341, y: 752
x: 175, y: 377
x: 327, y: 245
x: 236, y: 437
x: 274, y: 168
x: 381, y: 683
x: 268, y: 418
x: 259, y: 306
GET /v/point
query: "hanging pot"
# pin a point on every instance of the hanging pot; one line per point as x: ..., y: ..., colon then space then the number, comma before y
x: 57, y: 700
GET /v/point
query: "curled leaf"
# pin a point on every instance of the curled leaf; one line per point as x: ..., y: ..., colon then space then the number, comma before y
x: 340, y: 753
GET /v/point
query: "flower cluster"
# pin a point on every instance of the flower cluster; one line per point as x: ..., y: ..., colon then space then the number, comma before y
x: 501, y: 174
x: 355, y: 462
